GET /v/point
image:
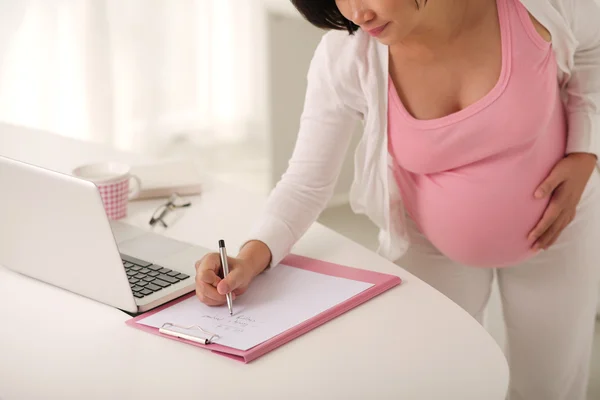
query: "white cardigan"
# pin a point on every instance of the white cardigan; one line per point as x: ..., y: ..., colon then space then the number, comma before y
x: 347, y: 83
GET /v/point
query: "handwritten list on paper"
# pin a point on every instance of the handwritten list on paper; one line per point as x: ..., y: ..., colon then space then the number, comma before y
x: 275, y: 302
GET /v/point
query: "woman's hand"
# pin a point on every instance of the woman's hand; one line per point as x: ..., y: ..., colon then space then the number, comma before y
x: 211, y: 287
x: 565, y: 184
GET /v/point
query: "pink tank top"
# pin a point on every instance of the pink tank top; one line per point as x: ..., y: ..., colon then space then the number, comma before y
x: 468, y: 179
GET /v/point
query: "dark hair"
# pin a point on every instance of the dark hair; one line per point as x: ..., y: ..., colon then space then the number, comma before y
x: 324, y: 14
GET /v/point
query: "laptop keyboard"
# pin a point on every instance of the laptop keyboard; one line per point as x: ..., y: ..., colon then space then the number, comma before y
x: 146, y: 278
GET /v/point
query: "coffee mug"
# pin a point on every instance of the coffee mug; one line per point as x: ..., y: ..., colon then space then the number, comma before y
x: 113, y: 181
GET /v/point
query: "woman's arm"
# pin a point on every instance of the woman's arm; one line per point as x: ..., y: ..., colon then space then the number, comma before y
x: 583, y: 88
x: 326, y: 127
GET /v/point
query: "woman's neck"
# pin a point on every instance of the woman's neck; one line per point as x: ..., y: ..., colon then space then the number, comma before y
x: 442, y: 24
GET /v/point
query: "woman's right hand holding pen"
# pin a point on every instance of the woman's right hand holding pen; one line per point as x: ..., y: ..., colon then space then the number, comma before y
x: 211, y: 287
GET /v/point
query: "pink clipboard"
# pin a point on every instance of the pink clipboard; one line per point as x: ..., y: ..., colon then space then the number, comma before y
x: 381, y: 283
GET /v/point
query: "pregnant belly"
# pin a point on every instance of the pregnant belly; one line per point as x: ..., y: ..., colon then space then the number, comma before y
x: 480, y: 215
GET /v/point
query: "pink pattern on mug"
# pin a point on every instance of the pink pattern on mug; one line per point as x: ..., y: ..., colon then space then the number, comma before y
x: 113, y: 183
x: 115, y: 197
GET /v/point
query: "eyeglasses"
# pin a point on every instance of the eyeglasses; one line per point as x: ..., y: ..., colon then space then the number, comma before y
x: 163, y: 210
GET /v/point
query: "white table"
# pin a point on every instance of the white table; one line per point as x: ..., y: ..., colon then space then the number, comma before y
x: 410, y: 343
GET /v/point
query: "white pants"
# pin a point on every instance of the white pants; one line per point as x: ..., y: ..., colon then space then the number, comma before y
x: 549, y: 303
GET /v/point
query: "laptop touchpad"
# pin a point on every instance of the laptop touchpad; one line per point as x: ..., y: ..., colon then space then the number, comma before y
x: 184, y: 261
x: 123, y: 232
x: 152, y: 247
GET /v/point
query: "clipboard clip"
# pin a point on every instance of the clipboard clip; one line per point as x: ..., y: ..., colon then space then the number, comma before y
x: 207, y: 339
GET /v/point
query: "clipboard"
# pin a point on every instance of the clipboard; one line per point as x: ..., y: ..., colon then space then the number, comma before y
x: 195, y: 335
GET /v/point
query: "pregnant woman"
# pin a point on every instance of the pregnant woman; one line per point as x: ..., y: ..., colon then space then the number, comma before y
x: 481, y: 130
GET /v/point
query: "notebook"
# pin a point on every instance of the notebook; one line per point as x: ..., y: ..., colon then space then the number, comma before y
x: 164, y: 178
x: 290, y: 300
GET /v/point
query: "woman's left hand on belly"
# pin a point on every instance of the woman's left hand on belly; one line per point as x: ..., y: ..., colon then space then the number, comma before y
x: 565, y: 185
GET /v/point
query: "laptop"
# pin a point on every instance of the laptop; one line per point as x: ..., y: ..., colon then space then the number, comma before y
x: 55, y: 230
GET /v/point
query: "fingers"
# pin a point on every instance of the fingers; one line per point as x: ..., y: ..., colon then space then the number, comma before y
x: 550, y: 236
x: 209, y: 277
x: 565, y: 221
x: 550, y: 215
x: 206, y: 288
x: 209, y: 301
x: 552, y: 181
x: 236, y: 279
x: 207, y: 280
x: 206, y: 272
x: 211, y: 288
x: 240, y: 290
x: 210, y: 261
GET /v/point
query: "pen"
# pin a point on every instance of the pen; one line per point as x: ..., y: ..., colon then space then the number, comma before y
x: 223, y: 254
